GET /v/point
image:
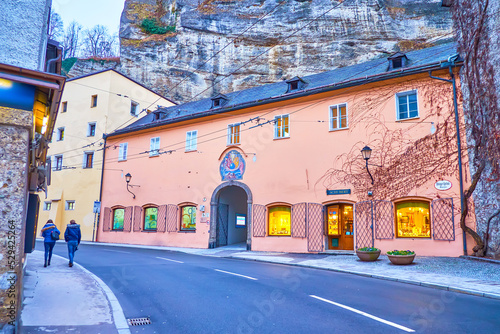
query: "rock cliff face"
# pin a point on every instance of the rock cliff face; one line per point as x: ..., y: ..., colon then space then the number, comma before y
x: 225, y: 45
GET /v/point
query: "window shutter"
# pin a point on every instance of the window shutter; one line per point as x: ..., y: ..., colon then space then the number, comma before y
x: 363, y: 225
x: 315, y: 227
x: 299, y: 212
x: 443, y: 223
x: 106, y: 220
x: 171, y: 218
x: 384, y: 219
x: 259, y: 220
x: 161, y: 223
x: 137, y: 218
x: 127, y: 223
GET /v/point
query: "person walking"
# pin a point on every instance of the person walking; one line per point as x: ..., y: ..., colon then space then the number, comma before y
x: 72, y: 235
x: 49, y: 239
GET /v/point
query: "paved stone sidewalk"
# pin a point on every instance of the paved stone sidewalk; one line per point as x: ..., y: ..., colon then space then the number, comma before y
x: 60, y: 299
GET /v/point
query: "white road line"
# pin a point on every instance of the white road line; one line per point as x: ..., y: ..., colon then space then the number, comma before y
x: 116, y: 251
x: 230, y: 273
x: 164, y: 258
x: 406, y: 329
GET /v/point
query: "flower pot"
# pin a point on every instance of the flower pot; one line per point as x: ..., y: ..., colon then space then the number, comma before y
x: 368, y: 255
x: 401, y: 259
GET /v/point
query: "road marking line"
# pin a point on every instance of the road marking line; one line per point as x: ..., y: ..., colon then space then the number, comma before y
x: 406, y: 329
x: 164, y: 258
x: 117, y: 251
x: 230, y: 273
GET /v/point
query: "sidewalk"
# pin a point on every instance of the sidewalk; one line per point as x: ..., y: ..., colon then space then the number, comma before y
x: 59, y: 299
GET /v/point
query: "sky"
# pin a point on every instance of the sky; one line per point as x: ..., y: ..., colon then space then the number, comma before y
x: 90, y: 12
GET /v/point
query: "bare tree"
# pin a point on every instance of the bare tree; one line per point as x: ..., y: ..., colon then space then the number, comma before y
x: 56, y: 27
x: 71, y: 42
x: 98, y: 42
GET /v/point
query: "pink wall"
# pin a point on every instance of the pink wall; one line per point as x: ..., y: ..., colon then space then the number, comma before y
x: 285, y: 170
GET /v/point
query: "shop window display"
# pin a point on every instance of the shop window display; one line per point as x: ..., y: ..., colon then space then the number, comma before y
x: 188, y: 218
x: 150, y: 218
x: 279, y: 220
x: 118, y: 216
x: 413, y: 220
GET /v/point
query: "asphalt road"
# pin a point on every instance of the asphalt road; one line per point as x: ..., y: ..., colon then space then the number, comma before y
x: 184, y: 293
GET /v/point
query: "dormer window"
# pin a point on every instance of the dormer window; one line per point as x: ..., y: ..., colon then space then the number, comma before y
x: 295, y: 84
x: 219, y: 100
x: 397, y: 60
x: 157, y: 115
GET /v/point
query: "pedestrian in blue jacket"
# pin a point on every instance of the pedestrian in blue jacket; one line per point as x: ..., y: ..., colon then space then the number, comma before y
x: 72, y: 235
x: 48, y: 241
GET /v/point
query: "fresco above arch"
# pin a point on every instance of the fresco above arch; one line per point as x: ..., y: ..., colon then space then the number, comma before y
x: 232, y: 166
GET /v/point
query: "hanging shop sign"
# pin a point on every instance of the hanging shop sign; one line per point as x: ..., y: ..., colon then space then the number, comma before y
x: 443, y: 185
x: 232, y: 166
x: 338, y: 192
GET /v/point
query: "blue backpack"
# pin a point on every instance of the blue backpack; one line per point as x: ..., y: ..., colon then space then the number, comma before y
x: 54, y: 235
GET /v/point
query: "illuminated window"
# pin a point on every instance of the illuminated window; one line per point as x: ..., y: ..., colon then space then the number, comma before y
x: 118, y: 218
x: 233, y: 134
x: 188, y: 218
x: 413, y: 220
x: 47, y: 206
x: 93, y: 101
x: 150, y: 218
x: 279, y: 220
x: 407, y: 105
x: 281, y: 126
x: 338, y: 117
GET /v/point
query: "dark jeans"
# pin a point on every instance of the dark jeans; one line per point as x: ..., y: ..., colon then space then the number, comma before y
x: 49, y: 246
x: 72, y: 245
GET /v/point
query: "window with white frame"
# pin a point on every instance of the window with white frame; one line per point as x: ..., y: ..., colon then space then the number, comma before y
x: 122, y: 153
x: 58, y: 159
x: 91, y: 129
x: 338, y: 117
x: 133, y: 108
x: 282, y: 126
x: 407, y: 106
x: 47, y: 206
x: 88, y: 159
x: 154, y: 147
x: 233, y: 134
x: 191, y: 140
x: 60, y: 134
x: 70, y: 205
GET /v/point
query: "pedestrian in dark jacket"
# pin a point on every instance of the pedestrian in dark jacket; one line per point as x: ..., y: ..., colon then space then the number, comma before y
x: 48, y: 241
x: 72, y: 235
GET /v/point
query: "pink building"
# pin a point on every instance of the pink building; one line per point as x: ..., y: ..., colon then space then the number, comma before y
x: 279, y: 167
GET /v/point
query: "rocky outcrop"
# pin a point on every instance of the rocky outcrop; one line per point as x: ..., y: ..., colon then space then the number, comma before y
x: 86, y: 66
x: 212, y: 47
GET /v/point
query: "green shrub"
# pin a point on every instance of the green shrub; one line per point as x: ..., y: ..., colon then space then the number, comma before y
x: 401, y: 252
x: 152, y: 27
x: 368, y: 249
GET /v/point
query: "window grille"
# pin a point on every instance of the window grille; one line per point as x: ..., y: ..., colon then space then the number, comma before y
x: 443, y: 223
x: 299, y: 214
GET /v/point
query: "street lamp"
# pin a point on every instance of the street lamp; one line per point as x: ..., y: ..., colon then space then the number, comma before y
x: 366, y: 152
x: 127, y: 179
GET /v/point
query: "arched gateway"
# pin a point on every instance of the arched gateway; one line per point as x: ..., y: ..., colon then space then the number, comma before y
x: 231, y: 215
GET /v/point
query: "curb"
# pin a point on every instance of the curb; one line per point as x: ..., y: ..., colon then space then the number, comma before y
x: 118, y: 316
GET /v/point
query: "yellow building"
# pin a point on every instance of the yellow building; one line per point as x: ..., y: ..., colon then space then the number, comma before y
x: 91, y: 105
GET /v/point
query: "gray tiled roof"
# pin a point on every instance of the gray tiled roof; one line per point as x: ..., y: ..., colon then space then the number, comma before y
x: 350, y: 75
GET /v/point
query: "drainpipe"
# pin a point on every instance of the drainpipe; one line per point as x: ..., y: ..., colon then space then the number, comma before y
x: 100, y: 189
x: 450, y: 63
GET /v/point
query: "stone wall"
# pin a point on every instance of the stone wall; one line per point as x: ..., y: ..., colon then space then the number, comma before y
x: 15, y: 128
x: 199, y: 53
x: 24, y: 33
